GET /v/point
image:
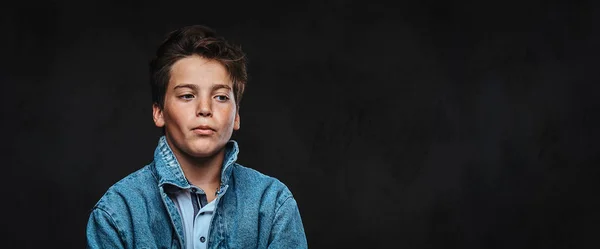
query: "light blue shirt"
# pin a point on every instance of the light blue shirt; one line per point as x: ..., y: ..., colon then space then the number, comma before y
x: 196, y: 215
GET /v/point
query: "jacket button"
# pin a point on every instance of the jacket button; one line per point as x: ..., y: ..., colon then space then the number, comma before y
x: 202, y: 239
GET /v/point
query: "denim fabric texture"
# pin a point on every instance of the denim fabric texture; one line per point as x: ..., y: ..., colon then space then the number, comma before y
x: 253, y: 210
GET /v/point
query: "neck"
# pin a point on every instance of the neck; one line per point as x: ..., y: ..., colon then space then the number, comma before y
x: 202, y: 172
x: 205, y: 172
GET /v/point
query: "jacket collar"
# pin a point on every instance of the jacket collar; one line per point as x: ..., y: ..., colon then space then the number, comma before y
x: 169, y: 171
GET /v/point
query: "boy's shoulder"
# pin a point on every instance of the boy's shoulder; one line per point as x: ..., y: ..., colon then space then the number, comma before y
x: 256, y: 181
x: 244, y: 173
x: 140, y: 184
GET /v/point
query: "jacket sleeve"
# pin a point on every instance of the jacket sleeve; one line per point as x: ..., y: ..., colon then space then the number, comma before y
x: 287, y: 230
x: 102, y: 231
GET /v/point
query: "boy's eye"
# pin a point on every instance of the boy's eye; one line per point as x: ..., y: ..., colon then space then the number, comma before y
x: 222, y: 97
x: 186, y: 96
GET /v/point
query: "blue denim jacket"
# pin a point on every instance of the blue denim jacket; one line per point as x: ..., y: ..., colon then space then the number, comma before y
x: 253, y: 210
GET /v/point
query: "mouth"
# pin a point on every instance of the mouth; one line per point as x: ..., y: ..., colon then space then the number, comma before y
x: 204, y: 130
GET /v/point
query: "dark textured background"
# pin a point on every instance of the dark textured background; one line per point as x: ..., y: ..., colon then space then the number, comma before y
x: 413, y: 125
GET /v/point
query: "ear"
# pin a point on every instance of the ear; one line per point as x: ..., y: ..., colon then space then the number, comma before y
x: 236, y: 122
x: 157, y: 115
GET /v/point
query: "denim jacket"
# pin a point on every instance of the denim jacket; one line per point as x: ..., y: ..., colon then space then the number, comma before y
x: 253, y: 210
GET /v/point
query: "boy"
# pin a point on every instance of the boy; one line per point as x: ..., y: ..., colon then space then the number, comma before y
x: 193, y: 194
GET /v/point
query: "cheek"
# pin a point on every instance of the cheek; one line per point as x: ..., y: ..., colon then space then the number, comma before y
x: 227, y: 114
x: 176, y: 118
x: 232, y: 118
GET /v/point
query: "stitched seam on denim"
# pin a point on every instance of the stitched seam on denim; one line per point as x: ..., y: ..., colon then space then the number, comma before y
x: 283, y: 203
x: 114, y: 222
x: 230, y: 159
x: 152, y: 168
x: 170, y: 160
x: 174, y: 216
x: 275, y: 216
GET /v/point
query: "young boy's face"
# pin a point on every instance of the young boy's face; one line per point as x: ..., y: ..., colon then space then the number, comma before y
x: 200, y: 112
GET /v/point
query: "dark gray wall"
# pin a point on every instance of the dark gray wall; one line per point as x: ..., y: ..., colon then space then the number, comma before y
x: 421, y: 125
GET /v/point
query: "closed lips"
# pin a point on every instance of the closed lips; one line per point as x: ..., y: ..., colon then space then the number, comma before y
x: 204, y: 127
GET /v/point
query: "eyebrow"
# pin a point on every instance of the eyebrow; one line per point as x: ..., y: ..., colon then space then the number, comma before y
x: 220, y: 86
x: 195, y: 87
x: 191, y: 86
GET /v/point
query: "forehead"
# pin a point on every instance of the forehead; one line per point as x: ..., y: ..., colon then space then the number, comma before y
x: 198, y: 70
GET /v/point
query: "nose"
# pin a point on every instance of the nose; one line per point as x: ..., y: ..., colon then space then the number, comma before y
x: 204, y: 108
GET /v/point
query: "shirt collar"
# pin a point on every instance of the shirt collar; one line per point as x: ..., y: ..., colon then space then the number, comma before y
x: 169, y: 171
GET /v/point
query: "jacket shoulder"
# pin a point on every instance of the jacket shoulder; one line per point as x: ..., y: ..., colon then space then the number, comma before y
x: 257, y: 182
x: 139, y: 185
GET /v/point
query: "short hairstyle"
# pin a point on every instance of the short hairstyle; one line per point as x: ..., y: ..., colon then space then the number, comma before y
x: 201, y: 41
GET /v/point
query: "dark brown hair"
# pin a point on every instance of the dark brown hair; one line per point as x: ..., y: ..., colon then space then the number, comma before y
x: 201, y: 41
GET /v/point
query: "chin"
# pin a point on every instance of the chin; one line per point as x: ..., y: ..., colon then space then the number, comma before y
x: 202, y: 154
x: 203, y: 149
